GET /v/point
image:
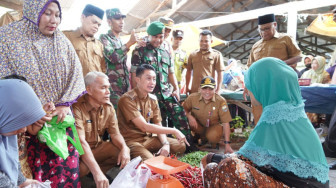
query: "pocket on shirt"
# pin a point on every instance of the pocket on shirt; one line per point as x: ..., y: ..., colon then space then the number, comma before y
x: 98, y: 51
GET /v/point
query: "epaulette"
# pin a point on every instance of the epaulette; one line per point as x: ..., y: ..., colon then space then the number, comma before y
x: 152, y: 96
x: 132, y: 94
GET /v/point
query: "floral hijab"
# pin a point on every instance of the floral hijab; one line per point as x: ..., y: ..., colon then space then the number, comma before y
x: 49, y: 63
x: 284, y: 138
x: 316, y: 76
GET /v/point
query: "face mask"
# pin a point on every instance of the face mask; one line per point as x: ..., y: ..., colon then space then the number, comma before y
x: 308, y: 66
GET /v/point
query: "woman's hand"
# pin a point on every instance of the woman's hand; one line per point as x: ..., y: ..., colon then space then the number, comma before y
x: 61, y: 112
x: 29, y: 182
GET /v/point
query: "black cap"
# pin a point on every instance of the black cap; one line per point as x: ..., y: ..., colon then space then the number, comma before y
x: 90, y: 9
x: 178, y: 33
x: 268, y: 18
x: 208, y: 81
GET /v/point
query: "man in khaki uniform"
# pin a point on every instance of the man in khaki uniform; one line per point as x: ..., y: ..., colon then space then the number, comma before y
x: 272, y: 44
x: 88, y: 48
x: 139, y: 118
x: 94, y: 114
x: 208, y: 114
x: 204, y: 62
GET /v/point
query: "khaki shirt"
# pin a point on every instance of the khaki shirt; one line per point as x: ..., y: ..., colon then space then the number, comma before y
x: 217, y: 110
x: 204, y: 63
x: 131, y: 105
x: 93, y: 122
x: 281, y: 46
x: 89, y: 51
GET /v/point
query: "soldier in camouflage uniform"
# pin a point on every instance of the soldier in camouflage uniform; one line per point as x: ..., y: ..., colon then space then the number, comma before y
x: 115, y: 54
x: 154, y: 54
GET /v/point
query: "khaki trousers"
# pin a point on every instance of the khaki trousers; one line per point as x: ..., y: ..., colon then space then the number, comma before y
x: 151, y: 145
x: 213, y: 133
x: 106, y: 155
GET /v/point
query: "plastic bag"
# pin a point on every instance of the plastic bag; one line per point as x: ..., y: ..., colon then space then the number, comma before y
x: 54, y: 135
x: 45, y: 184
x: 130, y: 177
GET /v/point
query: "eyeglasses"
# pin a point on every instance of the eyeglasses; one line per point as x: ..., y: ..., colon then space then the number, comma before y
x: 265, y: 29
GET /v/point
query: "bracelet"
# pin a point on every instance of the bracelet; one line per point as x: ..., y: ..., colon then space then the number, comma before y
x: 227, y: 142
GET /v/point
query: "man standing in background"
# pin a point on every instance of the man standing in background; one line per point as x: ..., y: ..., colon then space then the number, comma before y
x: 204, y: 62
x: 88, y: 48
x: 180, y: 58
x: 272, y: 44
x: 115, y: 54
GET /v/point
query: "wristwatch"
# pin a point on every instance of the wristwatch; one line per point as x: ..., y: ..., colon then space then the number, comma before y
x: 165, y: 143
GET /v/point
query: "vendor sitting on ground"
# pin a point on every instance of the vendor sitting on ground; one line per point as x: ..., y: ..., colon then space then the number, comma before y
x: 94, y: 114
x: 139, y: 118
x: 208, y: 114
x: 283, y: 149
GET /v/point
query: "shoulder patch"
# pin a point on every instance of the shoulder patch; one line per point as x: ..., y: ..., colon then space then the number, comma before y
x: 224, y: 107
x: 152, y: 96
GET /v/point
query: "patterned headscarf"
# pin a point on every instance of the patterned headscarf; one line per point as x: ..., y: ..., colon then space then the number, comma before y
x: 19, y: 107
x: 49, y: 63
x: 284, y: 138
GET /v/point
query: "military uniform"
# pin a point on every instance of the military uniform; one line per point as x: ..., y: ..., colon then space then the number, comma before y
x: 115, y: 54
x: 210, y: 116
x: 89, y: 51
x: 92, y: 123
x: 180, y: 63
x: 132, y: 105
x: 204, y: 63
x: 160, y: 59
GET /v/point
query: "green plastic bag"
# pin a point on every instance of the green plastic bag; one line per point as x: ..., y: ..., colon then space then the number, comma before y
x: 54, y: 135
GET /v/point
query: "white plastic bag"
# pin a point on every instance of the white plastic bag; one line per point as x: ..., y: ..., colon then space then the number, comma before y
x: 45, y: 184
x: 130, y: 177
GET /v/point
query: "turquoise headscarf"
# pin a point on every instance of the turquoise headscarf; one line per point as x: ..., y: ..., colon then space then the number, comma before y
x: 284, y: 137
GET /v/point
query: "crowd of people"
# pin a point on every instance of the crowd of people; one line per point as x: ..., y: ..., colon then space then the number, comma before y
x: 122, y: 112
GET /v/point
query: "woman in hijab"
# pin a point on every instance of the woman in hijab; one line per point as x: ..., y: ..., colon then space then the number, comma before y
x: 17, y: 111
x: 35, y: 48
x: 317, y: 74
x: 283, y: 149
x: 307, y: 62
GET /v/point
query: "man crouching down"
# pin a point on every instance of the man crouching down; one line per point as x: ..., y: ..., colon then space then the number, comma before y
x: 139, y: 118
x: 94, y: 115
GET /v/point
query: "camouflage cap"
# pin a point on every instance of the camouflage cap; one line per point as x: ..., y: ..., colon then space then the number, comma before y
x: 114, y: 13
x: 167, y: 22
x: 155, y: 28
x: 208, y: 81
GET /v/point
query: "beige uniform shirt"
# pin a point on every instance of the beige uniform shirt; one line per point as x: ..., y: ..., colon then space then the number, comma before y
x: 130, y: 106
x: 204, y: 63
x: 93, y: 122
x: 281, y: 46
x: 216, y: 111
x: 89, y: 51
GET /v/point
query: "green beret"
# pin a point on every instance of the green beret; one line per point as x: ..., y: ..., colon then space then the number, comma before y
x: 155, y: 28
